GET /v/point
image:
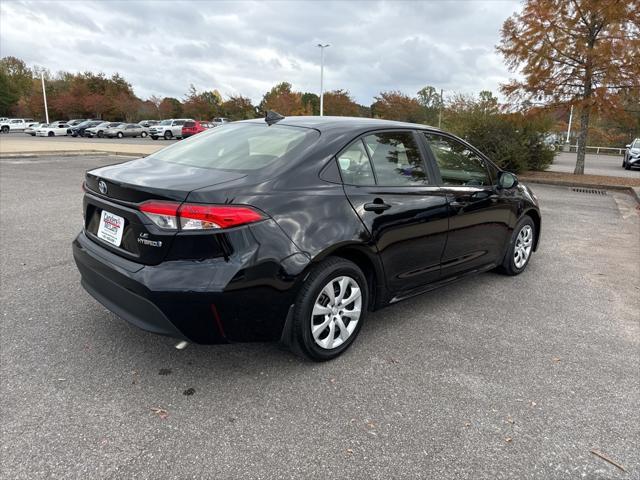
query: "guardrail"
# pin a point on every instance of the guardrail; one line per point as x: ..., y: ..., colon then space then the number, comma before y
x: 598, y: 150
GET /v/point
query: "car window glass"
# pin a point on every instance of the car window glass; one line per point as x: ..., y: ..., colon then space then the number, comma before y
x: 355, y: 167
x: 396, y: 159
x: 458, y: 164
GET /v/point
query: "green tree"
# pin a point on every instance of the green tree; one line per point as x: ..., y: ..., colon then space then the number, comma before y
x: 431, y: 102
x: 238, y: 108
x: 284, y: 100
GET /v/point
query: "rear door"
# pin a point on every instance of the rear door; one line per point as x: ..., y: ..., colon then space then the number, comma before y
x: 479, y: 213
x: 393, y: 192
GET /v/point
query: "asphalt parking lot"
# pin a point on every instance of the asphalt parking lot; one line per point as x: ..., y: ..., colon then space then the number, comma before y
x: 493, y: 377
x: 609, y: 165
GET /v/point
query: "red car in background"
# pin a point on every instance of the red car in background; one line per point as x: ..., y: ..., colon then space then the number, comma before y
x: 192, y: 127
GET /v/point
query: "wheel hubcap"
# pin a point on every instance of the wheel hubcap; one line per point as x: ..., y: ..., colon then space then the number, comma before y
x: 522, y: 250
x: 336, y: 312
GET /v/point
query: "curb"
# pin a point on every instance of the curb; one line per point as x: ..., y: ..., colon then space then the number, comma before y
x: 633, y: 191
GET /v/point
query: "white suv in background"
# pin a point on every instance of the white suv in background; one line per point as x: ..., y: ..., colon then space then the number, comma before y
x: 16, y: 124
x: 168, y: 129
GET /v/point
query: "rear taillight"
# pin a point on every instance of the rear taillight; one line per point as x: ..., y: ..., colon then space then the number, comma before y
x: 188, y: 216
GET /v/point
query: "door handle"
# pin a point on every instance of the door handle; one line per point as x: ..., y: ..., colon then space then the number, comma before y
x: 377, y: 206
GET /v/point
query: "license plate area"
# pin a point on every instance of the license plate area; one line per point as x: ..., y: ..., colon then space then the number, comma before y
x: 111, y: 228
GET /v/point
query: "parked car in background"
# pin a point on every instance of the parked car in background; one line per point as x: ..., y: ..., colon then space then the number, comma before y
x: 126, y: 130
x: 76, y: 121
x: 78, y: 130
x: 53, y: 130
x: 192, y: 127
x: 632, y: 155
x: 16, y: 124
x: 148, y: 123
x: 98, y: 130
x: 293, y: 229
x: 219, y: 121
x: 168, y: 129
x: 31, y: 130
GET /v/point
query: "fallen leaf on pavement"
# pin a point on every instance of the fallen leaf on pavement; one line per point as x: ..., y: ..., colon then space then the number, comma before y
x: 160, y: 412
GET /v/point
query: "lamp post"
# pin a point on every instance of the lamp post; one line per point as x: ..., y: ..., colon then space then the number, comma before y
x: 322, y: 47
x: 44, y: 95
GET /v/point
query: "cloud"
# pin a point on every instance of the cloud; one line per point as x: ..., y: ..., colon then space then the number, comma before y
x: 247, y: 47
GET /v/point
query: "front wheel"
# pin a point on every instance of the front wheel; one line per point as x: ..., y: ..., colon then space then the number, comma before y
x: 330, y: 309
x: 51, y: 134
x: 520, y: 247
x: 5, y: 130
x: 143, y: 134
x: 120, y: 134
x: 168, y: 135
x: 100, y: 134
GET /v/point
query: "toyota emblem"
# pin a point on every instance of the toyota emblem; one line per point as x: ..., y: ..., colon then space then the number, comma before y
x: 102, y: 186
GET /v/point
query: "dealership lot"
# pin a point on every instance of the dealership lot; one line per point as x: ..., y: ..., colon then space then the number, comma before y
x: 493, y: 377
x: 609, y: 165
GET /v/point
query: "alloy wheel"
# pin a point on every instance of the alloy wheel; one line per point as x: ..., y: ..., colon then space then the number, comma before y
x: 336, y: 312
x: 522, y: 249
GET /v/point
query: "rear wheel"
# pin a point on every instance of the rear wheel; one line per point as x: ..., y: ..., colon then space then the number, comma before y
x: 520, y: 248
x: 330, y: 309
x: 120, y: 135
x: 627, y: 166
x: 168, y: 135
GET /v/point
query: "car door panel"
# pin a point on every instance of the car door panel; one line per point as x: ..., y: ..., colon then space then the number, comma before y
x: 479, y: 213
x: 408, y: 224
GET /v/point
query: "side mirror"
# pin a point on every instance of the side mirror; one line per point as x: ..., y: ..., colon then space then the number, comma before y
x: 507, y: 180
x: 628, y: 146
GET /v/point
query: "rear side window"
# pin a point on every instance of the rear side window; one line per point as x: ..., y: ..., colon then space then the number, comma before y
x: 238, y: 146
x: 457, y: 163
x: 355, y: 167
x: 396, y: 159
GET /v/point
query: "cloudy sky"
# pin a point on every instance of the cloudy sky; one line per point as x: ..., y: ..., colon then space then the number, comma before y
x: 246, y: 47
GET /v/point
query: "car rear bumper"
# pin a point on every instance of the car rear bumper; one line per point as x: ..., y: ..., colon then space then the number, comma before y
x: 237, y: 299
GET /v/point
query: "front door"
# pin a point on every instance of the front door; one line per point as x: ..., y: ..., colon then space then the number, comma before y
x: 391, y: 189
x: 479, y: 214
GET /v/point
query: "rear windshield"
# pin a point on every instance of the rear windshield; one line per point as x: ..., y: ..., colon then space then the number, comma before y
x: 189, y: 124
x: 237, y: 146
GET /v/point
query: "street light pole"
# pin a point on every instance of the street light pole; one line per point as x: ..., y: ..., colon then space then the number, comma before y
x: 322, y: 47
x: 569, y: 127
x: 44, y: 95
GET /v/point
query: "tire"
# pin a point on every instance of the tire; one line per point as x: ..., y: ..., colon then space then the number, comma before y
x: 520, y: 240
x: 168, y: 135
x: 323, y: 345
x: 100, y: 134
x: 627, y: 166
x: 5, y: 129
x: 51, y: 134
x: 143, y: 134
x: 120, y: 135
x: 153, y: 137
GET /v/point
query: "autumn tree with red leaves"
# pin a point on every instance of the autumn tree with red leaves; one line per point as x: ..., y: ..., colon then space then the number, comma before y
x: 582, y: 52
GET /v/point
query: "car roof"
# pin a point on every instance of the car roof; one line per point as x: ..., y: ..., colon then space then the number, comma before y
x: 333, y: 123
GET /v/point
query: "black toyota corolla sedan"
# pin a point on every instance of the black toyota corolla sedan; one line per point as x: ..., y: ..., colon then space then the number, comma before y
x: 291, y: 229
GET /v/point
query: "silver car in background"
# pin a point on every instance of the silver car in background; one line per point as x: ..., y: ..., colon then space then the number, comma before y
x: 98, y: 130
x: 126, y: 130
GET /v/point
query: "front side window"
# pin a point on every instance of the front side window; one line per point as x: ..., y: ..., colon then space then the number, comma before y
x: 355, y: 167
x: 396, y: 159
x: 239, y: 146
x: 457, y: 163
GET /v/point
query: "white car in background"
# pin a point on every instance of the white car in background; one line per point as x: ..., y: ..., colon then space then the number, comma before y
x: 16, y: 124
x: 32, y: 129
x: 168, y: 129
x: 56, y: 129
